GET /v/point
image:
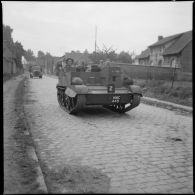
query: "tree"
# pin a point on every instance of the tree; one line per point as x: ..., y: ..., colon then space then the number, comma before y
x: 103, y: 54
x: 40, y: 58
x: 16, y: 48
x: 49, y: 62
x: 29, y: 55
x: 7, y: 38
x: 86, y: 51
x: 124, y: 57
x: 112, y: 56
x: 19, y: 52
x: 40, y: 54
x: 48, y: 54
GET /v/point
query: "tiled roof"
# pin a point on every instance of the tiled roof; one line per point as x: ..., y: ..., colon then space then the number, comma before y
x: 165, y: 40
x: 179, y: 44
x: 144, y: 54
x: 56, y: 59
x: 77, y: 56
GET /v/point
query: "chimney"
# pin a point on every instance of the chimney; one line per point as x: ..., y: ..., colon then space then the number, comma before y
x: 160, y: 37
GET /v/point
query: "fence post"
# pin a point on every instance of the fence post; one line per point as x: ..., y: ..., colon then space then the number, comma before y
x: 150, y: 72
x: 173, y: 78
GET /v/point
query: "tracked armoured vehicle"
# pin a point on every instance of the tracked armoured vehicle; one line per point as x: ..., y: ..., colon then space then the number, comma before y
x: 107, y: 86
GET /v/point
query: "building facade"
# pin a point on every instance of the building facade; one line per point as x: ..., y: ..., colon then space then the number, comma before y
x: 9, y: 62
x: 174, y: 51
x: 144, y: 57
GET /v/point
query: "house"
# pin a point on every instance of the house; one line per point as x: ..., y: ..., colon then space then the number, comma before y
x: 179, y: 54
x: 172, y: 51
x: 144, y: 57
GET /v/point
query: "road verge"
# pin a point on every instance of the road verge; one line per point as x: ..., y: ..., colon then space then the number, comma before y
x: 167, y: 105
x: 24, y: 166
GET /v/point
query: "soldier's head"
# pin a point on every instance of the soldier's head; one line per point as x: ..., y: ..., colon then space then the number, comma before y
x: 101, y: 62
x: 69, y: 61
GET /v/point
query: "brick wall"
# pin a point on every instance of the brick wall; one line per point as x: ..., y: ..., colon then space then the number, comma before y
x: 153, y: 72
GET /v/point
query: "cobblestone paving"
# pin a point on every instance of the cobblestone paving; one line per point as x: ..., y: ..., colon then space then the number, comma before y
x: 147, y: 150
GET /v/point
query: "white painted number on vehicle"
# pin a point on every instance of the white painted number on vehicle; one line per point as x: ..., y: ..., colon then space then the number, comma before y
x: 115, y: 99
x: 110, y: 88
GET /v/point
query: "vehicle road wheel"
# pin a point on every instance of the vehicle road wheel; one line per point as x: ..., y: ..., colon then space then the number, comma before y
x: 67, y: 103
x: 70, y: 104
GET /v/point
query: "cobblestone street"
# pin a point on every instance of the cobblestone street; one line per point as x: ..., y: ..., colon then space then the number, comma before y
x: 146, y: 150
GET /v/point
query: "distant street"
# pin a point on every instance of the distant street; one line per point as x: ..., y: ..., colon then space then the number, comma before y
x: 146, y: 150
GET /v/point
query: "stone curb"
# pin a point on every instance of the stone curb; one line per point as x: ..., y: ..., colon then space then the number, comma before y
x: 40, y: 178
x: 168, y: 105
x: 32, y: 153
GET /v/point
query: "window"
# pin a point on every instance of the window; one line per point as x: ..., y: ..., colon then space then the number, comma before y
x: 160, y: 63
x: 173, y: 62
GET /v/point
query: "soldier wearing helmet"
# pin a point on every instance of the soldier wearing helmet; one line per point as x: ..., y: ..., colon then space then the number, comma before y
x: 69, y: 64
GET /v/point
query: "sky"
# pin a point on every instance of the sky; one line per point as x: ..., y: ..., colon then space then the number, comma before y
x: 59, y: 27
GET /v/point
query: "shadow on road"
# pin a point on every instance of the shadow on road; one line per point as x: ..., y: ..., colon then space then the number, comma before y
x: 99, y: 111
x: 76, y: 179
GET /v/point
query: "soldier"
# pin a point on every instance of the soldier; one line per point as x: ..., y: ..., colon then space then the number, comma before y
x: 101, y: 64
x: 105, y: 64
x: 69, y: 64
x: 69, y: 61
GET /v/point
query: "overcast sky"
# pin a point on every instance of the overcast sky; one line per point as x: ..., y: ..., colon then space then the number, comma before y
x: 59, y: 27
